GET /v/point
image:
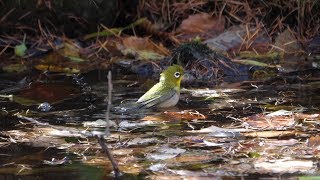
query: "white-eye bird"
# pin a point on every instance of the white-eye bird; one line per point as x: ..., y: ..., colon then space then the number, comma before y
x: 166, y: 92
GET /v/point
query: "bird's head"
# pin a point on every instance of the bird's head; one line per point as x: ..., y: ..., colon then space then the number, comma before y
x: 172, y: 75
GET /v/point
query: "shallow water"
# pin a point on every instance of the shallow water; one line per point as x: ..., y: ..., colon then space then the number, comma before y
x: 163, y: 143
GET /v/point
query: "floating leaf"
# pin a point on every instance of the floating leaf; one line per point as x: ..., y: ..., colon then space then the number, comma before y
x: 272, y: 134
x: 270, y: 122
x: 99, y: 123
x: 203, y: 92
x: 133, y: 125
x: 285, y: 166
x: 185, y: 115
x: 276, y: 142
x: 165, y: 152
x: 280, y: 112
x: 157, y: 167
x: 211, y: 129
x: 212, y: 144
x: 55, y: 162
x: 142, y: 141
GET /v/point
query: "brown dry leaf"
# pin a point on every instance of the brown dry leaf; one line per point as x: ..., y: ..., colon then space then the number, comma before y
x: 158, y: 117
x: 314, y: 141
x: 185, y: 115
x: 286, y: 142
x: 271, y: 134
x: 134, y: 169
x: 143, y: 48
x: 189, y: 159
x: 303, y: 116
x: 110, y: 45
x: 97, y: 161
x: 202, y: 24
x: 56, y: 68
x: 268, y: 122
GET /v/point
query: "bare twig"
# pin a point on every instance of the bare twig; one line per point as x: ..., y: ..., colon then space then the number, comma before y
x: 110, y: 87
x: 101, y: 139
x: 107, y: 151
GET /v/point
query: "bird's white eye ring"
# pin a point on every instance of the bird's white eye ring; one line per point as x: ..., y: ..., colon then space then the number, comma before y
x: 177, y: 74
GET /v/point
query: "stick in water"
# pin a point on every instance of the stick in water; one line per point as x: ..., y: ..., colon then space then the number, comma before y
x: 101, y: 139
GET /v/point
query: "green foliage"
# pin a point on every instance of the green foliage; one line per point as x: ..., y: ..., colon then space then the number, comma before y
x: 20, y: 50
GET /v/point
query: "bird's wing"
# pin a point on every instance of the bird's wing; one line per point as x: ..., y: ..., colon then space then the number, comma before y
x: 156, y: 98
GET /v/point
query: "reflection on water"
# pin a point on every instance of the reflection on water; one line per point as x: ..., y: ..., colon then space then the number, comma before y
x: 136, y: 135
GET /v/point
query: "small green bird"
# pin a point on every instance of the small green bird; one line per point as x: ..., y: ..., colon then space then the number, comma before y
x: 166, y: 92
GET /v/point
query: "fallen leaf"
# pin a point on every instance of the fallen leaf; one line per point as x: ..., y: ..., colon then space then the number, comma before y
x: 165, y: 152
x: 56, y: 68
x: 143, y: 48
x: 201, y: 25
x: 55, y: 162
x: 271, y: 134
x: 133, y: 125
x: 142, y: 141
x: 190, y: 158
x: 157, y: 167
x: 185, y: 115
x: 262, y: 121
x: 285, y: 166
x: 212, y: 144
x: 211, y: 129
x: 276, y: 142
x: 99, y: 123
x: 313, y: 141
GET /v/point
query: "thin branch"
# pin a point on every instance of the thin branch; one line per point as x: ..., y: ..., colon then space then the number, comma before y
x: 110, y: 87
x: 107, y: 151
x: 100, y: 138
